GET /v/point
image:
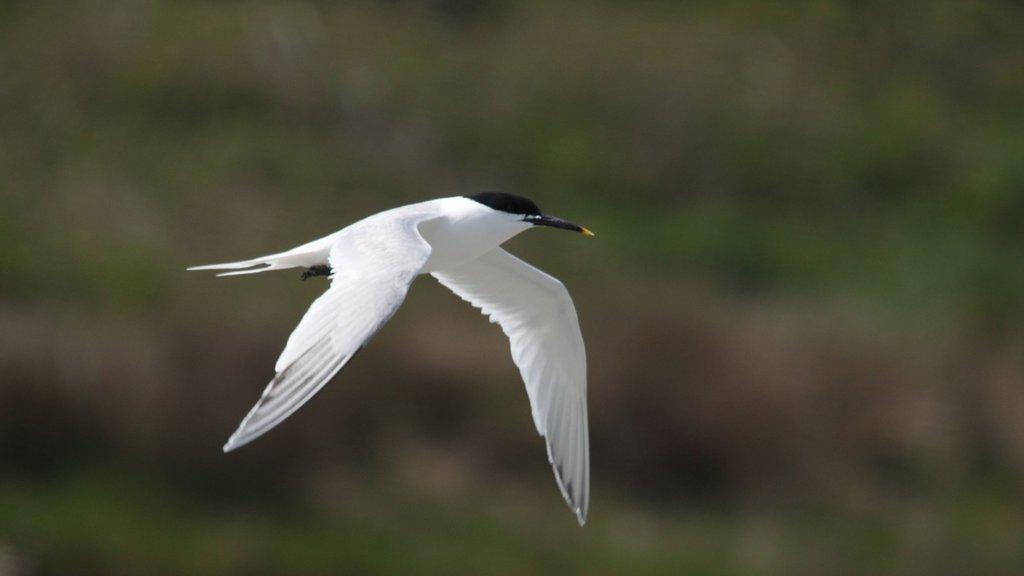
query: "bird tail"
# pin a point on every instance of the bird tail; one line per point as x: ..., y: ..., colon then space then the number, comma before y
x: 311, y: 254
x: 264, y: 264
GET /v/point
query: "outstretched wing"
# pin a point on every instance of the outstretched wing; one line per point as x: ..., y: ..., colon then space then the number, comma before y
x: 538, y: 316
x: 374, y: 263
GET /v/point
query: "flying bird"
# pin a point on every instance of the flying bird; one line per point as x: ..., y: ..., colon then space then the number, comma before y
x: 457, y: 240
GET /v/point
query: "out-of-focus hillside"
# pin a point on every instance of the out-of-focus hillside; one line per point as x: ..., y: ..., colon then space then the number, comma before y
x: 804, y: 308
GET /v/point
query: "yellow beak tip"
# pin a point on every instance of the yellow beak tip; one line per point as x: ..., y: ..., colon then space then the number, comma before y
x: 587, y: 232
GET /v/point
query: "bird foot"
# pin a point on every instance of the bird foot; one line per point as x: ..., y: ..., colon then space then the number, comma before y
x: 318, y: 270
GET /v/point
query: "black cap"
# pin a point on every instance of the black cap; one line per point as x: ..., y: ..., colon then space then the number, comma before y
x: 507, y: 203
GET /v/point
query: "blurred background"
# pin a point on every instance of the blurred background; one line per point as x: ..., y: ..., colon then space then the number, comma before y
x: 804, y: 308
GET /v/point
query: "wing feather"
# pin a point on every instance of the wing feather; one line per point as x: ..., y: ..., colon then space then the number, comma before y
x: 374, y: 261
x: 538, y: 316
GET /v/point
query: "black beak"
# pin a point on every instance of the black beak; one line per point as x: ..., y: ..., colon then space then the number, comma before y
x: 555, y: 222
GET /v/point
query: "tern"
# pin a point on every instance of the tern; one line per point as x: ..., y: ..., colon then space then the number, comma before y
x: 457, y: 240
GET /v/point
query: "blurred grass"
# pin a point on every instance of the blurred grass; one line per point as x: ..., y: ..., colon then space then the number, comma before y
x: 781, y: 149
x: 103, y: 522
x: 803, y: 309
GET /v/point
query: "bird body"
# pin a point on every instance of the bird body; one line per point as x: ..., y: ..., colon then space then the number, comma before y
x: 457, y: 240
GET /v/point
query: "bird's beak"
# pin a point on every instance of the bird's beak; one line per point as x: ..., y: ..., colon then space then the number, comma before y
x: 556, y: 222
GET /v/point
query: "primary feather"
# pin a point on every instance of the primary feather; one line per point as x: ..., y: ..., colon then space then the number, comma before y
x: 537, y: 314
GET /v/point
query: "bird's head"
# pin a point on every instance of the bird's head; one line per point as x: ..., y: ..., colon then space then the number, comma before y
x: 524, y: 210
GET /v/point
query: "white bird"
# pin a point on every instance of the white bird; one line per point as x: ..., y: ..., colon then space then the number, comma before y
x: 457, y: 240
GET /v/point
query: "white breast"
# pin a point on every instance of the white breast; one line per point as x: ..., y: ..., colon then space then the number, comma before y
x: 466, y: 231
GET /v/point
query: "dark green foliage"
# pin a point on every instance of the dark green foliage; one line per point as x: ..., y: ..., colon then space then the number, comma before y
x: 803, y: 307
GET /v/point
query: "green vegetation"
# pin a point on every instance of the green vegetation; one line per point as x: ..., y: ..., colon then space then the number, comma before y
x: 804, y: 308
x: 103, y: 523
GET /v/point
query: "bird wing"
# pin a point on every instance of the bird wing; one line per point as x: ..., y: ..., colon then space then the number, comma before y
x: 373, y: 264
x: 538, y: 316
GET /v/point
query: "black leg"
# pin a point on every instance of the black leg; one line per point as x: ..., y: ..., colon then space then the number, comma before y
x: 318, y: 270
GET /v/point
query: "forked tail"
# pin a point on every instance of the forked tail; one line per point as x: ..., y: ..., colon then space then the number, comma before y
x: 264, y: 264
x: 307, y: 255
